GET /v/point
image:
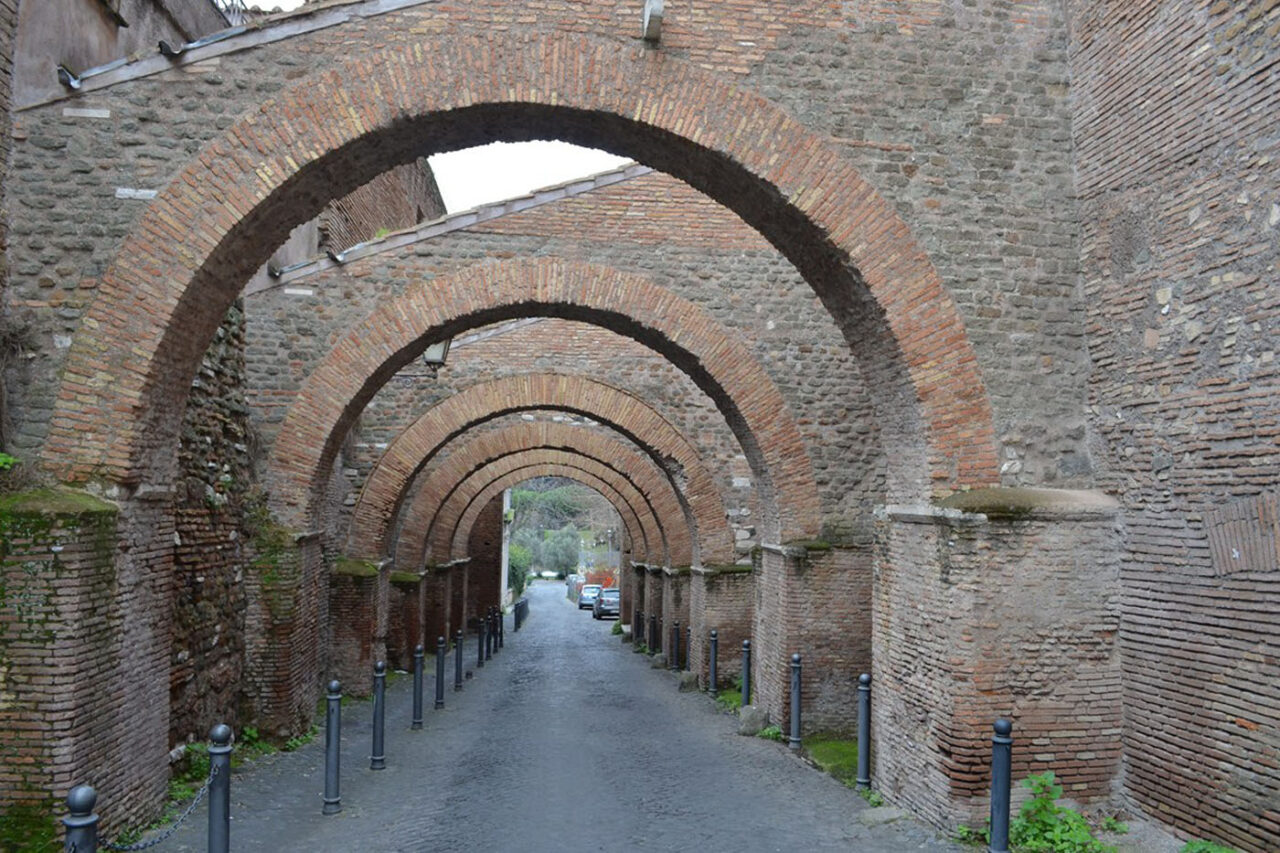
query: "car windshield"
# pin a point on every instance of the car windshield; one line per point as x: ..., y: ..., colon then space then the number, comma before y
x: 610, y: 593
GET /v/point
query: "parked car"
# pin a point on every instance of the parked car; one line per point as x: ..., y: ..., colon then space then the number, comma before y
x: 608, y: 603
x: 587, y: 597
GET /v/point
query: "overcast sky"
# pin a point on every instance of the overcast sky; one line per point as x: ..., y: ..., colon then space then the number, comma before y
x: 477, y: 176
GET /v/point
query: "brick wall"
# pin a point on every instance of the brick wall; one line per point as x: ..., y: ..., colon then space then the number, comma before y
x: 722, y: 599
x: 355, y: 643
x: 1179, y: 203
x: 484, y: 571
x: 405, y: 598
x: 79, y: 624
x: 287, y: 590
x: 396, y: 199
x: 675, y: 606
x: 979, y: 617
x: 829, y: 620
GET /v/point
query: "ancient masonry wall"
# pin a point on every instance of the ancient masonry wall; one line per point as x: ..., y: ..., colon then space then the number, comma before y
x: 721, y: 599
x: 1020, y: 623
x: 1179, y: 200
x: 484, y: 547
x: 395, y: 199
x: 829, y: 616
x: 207, y: 654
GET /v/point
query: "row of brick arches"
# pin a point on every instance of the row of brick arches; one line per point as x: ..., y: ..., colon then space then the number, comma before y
x: 827, y: 420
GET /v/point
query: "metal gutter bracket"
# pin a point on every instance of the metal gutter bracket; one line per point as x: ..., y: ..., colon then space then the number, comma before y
x: 653, y: 21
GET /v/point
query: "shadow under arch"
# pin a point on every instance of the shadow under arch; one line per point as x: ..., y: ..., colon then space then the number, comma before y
x: 121, y: 398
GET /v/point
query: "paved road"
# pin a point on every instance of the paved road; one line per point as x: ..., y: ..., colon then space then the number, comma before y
x: 564, y: 741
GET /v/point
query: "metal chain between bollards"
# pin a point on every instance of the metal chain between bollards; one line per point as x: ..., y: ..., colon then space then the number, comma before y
x: 164, y: 836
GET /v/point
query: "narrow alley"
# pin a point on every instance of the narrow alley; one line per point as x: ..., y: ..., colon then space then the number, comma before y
x: 564, y: 741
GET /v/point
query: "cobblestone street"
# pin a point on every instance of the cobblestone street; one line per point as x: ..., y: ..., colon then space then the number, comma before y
x: 564, y: 741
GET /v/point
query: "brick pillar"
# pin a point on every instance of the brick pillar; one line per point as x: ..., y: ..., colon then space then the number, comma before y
x: 405, y: 628
x: 459, y: 618
x: 723, y: 598
x: 484, y: 547
x: 653, y: 601
x: 675, y: 603
x: 1010, y: 612
x: 286, y: 623
x: 83, y: 623
x: 626, y: 591
x: 357, y: 620
x: 436, y: 599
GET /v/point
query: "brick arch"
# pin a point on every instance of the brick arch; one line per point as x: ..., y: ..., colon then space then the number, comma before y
x: 439, y: 480
x: 121, y: 398
x: 657, y: 529
x: 458, y: 545
x: 400, y: 328
x: 633, y: 522
x: 628, y: 415
x: 447, y: 535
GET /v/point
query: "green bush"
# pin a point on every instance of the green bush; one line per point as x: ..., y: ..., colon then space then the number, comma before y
x: 771, y: 733
x: 1042, y: 826
x: 617, y: 628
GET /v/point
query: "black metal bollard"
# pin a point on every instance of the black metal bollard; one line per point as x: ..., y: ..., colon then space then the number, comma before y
x: 332, y: 736
x: 502, y: 628
x: 688, y: 648
x: 675, y: 647
x: 653, y: 634
x: 637, y: 630
x: 378, y: 761
x: 1001, y: 773
x: 711, y: 661
x: 441, y: 646
x: 480, y: 646
x: 794, y: 740
x: 418, y: 653
x: 746, y: 672
x: 488, y: 635
x: 457, y: 659
x: 81, y: 824
x: 220, y: 789
x: 864, y: 731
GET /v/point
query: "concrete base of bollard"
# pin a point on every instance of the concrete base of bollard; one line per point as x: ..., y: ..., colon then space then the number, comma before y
x: 689, y: 682
x: 658, y: 661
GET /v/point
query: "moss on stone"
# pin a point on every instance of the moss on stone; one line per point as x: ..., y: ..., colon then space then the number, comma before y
x: 405, y: 577
x: 28, y: 828
x: 835, y: 755
x: 731, y: 569
x: 1023, y: 501
x: 54, y: 501
x: 355, y: 568
x: 810, y: 544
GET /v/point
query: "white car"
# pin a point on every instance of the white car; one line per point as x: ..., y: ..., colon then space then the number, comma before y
x: 587, y: 598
